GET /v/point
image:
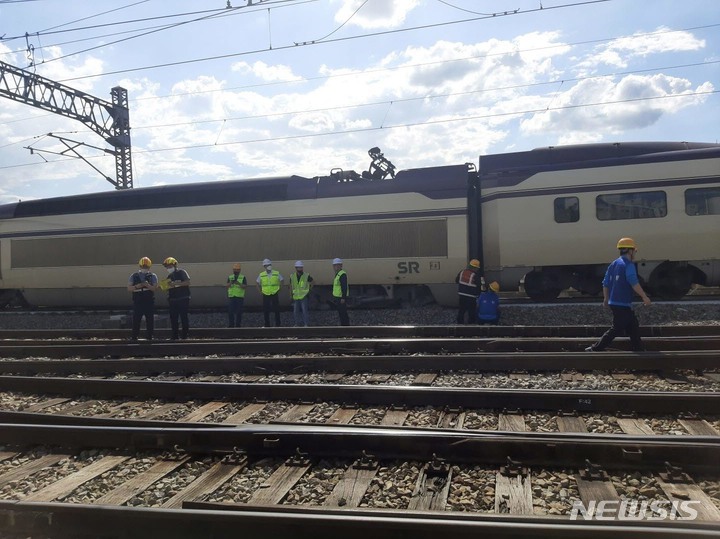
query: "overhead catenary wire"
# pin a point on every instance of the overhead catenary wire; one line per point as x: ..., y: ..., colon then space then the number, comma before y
x: 334, y: 40
x: 403, y: 125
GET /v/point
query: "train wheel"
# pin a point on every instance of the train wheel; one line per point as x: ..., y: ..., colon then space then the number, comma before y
x: 671, y: 281
x: 542, y: 285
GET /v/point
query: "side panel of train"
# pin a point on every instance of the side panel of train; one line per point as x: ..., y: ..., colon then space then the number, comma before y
x: 557, y: 228
x: 392, y: 244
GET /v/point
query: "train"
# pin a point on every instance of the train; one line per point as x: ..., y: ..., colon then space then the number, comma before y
x: 543, y: 220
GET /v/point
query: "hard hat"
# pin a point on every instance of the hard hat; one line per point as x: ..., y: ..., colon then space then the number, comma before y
x: 170, y: 261
x: 236, y: 267
x: 475, y: 263
x: 299, y: 264
x: 337, y: 261
x: 145, y: 262
x: 267, y: 262
x: 626, y: 243
x: 495, y: 286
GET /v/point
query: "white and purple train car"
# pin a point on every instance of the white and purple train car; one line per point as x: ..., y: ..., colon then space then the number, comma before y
x: 547, y: 219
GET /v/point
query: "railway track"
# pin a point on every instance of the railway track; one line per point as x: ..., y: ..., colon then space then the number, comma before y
x: 382, y: 438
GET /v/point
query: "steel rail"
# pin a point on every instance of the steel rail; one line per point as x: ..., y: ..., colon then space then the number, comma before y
x: 96, y: 349
x: 65, y: 521
x: 695, y: 453
x: 410, y: 396
x: 365, y: 332
x: 475, y: 362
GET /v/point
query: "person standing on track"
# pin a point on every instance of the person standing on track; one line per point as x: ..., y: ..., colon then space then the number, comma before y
x: 178, y: 287
x: 236, y: 284
x: 620, y: 282
x: 269, y: 283
x: 341, y: 291
x: 142, y: 284
x: 300, y: 285
x: 470, y: 284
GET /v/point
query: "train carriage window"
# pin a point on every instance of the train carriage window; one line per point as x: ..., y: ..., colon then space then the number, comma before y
x: 704, y: 201
x: 567, y: 210
x: 645, y: 205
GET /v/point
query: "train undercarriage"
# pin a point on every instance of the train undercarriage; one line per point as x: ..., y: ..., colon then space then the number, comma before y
x: 666, y: 280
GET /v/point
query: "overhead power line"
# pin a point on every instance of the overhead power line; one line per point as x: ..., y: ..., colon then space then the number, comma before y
x: 404, y: 125
x: 335, y: 40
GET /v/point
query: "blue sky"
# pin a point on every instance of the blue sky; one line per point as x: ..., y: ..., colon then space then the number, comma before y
x: 281, y: 87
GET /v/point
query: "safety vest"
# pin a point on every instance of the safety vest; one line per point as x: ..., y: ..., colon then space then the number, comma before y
x: 337, y: 289
x: 235, y: 290
x: 467, y: 283
x: 300, y: 288
x: 270, y: 284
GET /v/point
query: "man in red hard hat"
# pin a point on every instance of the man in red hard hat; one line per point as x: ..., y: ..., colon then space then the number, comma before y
x: 620, y: 282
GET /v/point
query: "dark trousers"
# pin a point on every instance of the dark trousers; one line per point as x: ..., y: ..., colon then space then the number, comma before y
x: 235, y: 312
x: 179, y: 310
x: 342, y: 312
x: 148, y: 311
x: 467, y: 305
x: 624, y: 322
x: 271, y: 303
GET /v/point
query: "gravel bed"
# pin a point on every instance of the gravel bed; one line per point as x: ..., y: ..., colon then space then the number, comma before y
x: 711, y: 487
x: 590, y: 381
x: 601, y: 424
x: 218, y: 416
x: 368, y: 416
x: 272, y: 410
x: 554, y: 492
x: 637, y: 487
x: 472, y: 489
x: 167, y: 487
x: 565, y: 314
x: 20, y: 489
x: 98, y: 487
x: 483, y: 419
x: 242, y: 485
x: 423, y: 417
x: 317, y: 484
x: 18, y: 401
x: 393, y: 485
x: 320, y: 413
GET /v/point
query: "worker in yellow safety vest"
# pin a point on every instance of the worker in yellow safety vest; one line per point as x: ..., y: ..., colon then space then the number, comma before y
x: 341, y: 291
x: 269, y: 283
x: 300, y: 285
x: 235, y: 285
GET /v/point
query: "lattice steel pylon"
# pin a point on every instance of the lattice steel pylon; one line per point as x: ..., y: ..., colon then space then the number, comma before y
x: 110, y: 120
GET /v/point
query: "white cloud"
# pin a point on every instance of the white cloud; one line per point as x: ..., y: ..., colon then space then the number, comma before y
x: 603, y: 106
x: 619, y: 51
x: 263, y: 71
x: 375, y: 13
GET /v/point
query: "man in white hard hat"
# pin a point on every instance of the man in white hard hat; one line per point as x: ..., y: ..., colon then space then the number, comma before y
x: 269, y: 283
x: 341, y: 291
x: 300, y: 285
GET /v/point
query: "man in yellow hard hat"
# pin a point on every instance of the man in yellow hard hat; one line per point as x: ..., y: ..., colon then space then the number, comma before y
x: 620, y: 282
x: 488, y: 305
x: 142, y: 284
x: 470, y: 284
x: 236, y: 284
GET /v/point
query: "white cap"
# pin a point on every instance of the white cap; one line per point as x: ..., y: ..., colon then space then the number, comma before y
x: 299, y: 264
x: 267, y: 262
x: 337, y: 261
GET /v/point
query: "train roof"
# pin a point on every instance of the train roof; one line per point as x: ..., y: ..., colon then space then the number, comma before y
x: 593, y: 155
x: 435, y: 182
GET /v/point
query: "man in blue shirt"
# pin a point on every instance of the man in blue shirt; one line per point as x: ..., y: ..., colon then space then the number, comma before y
x: 620, y: 282
x: 488, y: 305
